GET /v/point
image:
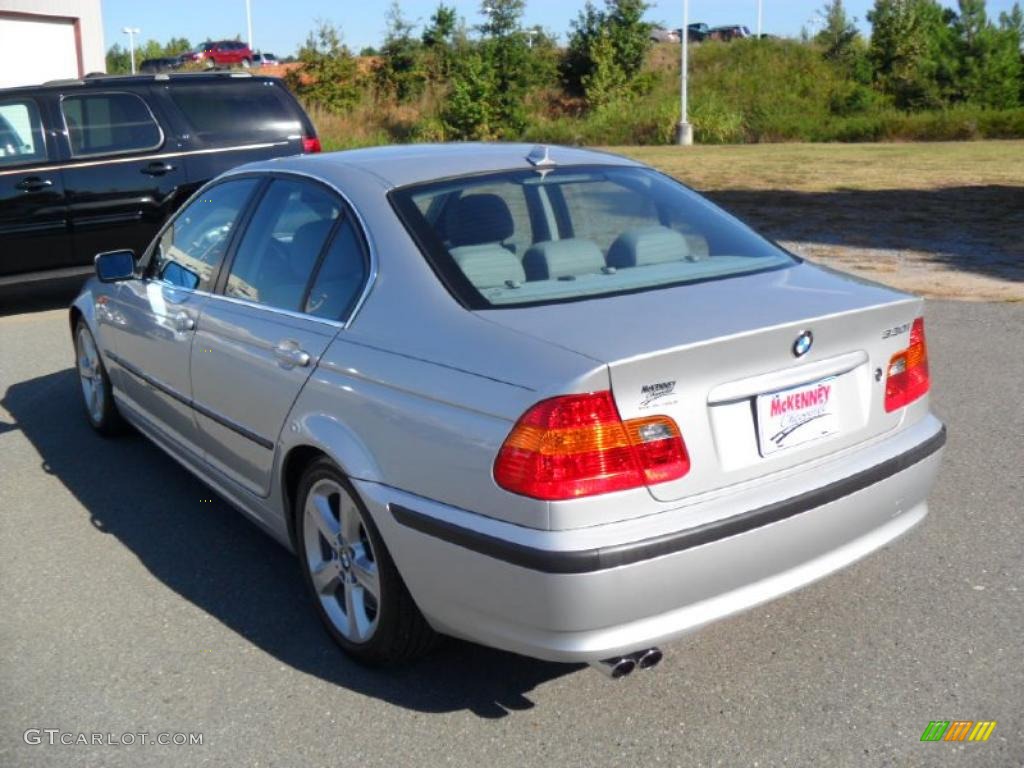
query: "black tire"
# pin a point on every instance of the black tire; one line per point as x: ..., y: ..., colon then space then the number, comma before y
x: 401, y: 634
x: 104, y: 418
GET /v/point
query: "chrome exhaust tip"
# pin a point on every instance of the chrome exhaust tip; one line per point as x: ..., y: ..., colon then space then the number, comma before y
x: 615, y: 667
x: 648, y: 659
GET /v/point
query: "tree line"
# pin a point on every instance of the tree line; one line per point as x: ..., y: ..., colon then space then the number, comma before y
x: 923, y: 55
x: 119, y: 57
x: 443, y: 79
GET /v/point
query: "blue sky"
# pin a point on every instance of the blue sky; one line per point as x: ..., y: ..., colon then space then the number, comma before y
x: 280, y: 27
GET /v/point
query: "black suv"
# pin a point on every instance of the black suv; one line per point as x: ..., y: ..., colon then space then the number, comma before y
x: 98, y: 164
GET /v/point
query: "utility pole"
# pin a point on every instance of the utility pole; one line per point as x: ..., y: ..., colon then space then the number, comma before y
x: 684, y: 131
x: 131, y: 32
x: 760, y: 17
x: 248, y: 23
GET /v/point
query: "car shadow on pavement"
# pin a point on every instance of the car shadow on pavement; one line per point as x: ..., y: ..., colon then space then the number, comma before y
x: 976, y: 229
x: 210, y: 554
x: 38, y: 297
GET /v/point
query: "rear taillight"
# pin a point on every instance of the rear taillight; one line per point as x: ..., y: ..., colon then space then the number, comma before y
x: 310, y: 144
x: 578, y: 445
x: 907, y: 378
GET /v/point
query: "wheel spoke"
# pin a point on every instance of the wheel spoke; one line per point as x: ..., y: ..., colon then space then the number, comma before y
x: 319, y: 509
x: 350, y: 521
x: 365, y: 571
x: 352, y: 607
x: 326, y: 577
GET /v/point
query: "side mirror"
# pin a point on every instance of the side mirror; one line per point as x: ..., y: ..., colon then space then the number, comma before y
x: 114, y: 266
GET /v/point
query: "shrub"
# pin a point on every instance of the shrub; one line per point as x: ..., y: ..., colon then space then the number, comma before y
x: 329, y: 76
x: 468, y: 112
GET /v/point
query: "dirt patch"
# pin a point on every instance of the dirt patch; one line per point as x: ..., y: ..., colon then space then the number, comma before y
x: 962, y: 243
x: 914, y: 271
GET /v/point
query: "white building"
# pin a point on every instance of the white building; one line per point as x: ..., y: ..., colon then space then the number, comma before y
x: 44, y: 40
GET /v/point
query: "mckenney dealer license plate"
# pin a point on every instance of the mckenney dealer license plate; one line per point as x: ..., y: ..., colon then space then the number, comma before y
x: 795, y: 416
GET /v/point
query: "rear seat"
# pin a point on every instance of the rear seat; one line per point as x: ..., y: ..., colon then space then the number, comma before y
x: 554, y: 259
x: 655, y: 245
x: 489, y: 265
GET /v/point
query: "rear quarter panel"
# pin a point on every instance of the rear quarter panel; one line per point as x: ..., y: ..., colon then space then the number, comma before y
x: 413, y: 425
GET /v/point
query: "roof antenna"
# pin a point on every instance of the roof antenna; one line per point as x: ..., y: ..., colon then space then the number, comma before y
x: 540, y: 156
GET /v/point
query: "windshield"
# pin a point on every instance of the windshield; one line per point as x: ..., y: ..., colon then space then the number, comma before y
x: 537, y: 236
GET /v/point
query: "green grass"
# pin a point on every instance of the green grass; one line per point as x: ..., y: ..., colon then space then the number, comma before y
x: 831, y: 167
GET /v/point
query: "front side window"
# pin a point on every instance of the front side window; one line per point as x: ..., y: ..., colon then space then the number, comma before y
x: 192, y: 247
x: 21, y: 133
x: 584, y: 231
x: 109, y: 123
x: 282, y: 244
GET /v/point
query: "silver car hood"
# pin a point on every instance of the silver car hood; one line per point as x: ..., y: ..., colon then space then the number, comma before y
x: 618, y: 328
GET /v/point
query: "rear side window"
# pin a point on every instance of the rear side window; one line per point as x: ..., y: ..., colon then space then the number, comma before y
x: 21, y: 133
x: 109, y: 123
x: 282, y: 245
x: 236, y: 111
x: 340, y: 277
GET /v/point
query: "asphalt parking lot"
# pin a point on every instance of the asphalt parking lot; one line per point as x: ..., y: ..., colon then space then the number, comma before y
x: 134, y: 600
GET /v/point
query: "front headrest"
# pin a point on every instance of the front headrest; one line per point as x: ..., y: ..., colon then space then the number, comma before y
x: 478, y: 219
x: 560, y: 258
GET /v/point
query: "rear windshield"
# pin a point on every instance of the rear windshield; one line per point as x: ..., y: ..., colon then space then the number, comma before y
x: 531, y: 237
x: 237, y: 111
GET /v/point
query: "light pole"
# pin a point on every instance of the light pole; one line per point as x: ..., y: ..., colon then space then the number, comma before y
x: 684, y: 131
x: 248, y: 23
x: 760, y: 16
x: 131, y: 32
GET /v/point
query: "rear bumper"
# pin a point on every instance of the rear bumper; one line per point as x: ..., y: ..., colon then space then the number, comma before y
x: 591, y: 593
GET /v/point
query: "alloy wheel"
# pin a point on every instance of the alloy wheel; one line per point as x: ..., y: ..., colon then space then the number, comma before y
x: 341, y: 561
x: 90, y: 374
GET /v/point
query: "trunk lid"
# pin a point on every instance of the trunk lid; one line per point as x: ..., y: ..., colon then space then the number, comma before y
x: 718, y: 357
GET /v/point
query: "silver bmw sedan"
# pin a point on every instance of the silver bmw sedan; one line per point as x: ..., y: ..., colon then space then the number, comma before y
x: 545, y: 399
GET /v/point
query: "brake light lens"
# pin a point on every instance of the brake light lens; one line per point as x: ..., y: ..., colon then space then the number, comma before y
x: 577, y: 445
x: 310, y: 144
x: 907, y: 378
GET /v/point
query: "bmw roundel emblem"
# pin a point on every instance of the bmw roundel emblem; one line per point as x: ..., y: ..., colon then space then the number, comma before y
x: 803, y: 343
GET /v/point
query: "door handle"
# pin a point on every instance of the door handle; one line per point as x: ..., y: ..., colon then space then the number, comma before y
x: 157, y: 169
x: 290, y: 354
x: 184, y: 322
x: 33, y: 184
